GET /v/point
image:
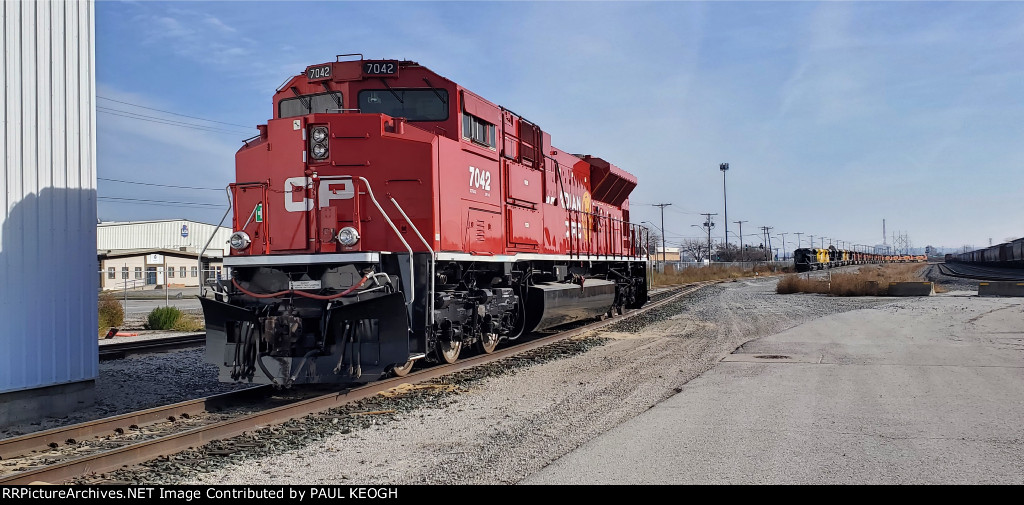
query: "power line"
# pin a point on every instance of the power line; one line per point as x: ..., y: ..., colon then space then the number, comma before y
x: 160, y: 185
x: 174, y: 121
x: 153, y: 202
x: 172, y: 113
x: 169, y: 122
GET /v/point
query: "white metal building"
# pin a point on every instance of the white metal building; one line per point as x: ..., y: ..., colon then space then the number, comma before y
x: 48, y: 335
x: 171, y: 234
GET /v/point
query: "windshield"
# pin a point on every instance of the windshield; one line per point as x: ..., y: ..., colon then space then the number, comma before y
x: 308, y: 104
x: 412, y: 104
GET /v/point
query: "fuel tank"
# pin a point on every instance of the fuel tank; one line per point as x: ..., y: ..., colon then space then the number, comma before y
x: 549, y: 305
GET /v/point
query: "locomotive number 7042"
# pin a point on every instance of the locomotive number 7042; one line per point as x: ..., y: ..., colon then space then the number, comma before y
x: 479, y: 178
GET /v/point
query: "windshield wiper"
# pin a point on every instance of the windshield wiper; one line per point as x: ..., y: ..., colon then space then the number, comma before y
x: 304, y: 99
x: 335, y: 96
x: 432, y: 88
x: 392, y: 91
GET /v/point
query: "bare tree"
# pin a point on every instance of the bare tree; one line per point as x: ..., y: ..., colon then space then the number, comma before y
x: 696, y: 248
x: 727, y: 252
x: 654, y: 245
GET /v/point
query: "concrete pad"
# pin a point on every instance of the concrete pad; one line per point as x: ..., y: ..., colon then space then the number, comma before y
x: 911, y: 289
x: 919, y: 391
x: 1000, y: 288
x: 37, y: 403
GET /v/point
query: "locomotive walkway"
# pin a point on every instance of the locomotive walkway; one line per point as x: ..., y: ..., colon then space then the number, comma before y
x: 918, y: 391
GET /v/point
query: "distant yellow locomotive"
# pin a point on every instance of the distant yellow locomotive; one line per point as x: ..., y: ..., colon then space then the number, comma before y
x: 806, y: 259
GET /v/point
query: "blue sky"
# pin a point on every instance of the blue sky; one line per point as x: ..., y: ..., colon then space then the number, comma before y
x: 832, y: 115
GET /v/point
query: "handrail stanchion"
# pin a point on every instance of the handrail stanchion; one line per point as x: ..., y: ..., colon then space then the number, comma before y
x: 412, y: 266
x: 433, y: 260
x: 202, y: 285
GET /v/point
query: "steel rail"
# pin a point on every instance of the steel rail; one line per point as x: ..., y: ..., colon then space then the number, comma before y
x: 122, y: 349
x: 25, y: 444
x: 149, y: 449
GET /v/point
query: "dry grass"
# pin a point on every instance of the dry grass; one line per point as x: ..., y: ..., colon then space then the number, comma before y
x: 712, y: 272
x: 870, y: 280
x: 189, y: 322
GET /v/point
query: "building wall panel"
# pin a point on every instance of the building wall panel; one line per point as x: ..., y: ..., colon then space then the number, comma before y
x: 162, y: 235
x: 48, y: 327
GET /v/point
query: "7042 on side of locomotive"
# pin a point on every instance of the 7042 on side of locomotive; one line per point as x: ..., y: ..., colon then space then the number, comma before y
x: 386, y: 214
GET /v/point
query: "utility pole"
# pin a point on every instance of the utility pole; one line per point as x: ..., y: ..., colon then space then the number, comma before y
x: 741, y: 237
x: 662, y: 205
x: 724, y: 167
x: 797, y: 233
x: 709, y: 225
x: 783, y: 235
x: 767, y: 241
x: 812, y: 241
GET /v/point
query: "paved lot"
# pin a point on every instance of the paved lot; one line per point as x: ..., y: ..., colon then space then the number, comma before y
x: 919, y: 391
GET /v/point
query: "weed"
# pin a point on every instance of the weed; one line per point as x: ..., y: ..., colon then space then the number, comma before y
x: 712, y: 272
x: 869, y: 280
x: 163, y: 318
x: 111, y: 313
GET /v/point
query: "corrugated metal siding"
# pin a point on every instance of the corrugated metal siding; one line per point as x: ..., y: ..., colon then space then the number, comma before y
x: 161, y: 235
x: 48, y: 262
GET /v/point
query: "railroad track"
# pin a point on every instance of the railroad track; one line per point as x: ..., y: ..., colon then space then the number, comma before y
x: 63, y: 454
x: 122, y: 349
x: 981, y: 273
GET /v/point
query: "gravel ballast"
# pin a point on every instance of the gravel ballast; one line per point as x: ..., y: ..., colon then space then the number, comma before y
x: 492, y: 424
x: 139, y: 382
x: 500, y: 424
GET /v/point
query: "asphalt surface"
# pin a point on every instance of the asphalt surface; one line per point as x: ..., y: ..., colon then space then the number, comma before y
x: 917, y: 391
x: 147, y: 306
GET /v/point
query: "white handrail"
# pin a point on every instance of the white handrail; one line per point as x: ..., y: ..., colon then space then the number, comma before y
x: 202, y: 285
x: 433, y: 260
x: 412, y: 276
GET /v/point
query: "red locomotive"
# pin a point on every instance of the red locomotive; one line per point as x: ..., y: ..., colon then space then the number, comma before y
x: 386, y: 214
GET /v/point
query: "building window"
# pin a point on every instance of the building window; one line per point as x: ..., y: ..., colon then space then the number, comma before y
x: 477, y: 130
x: 170, y: 272
x: 124, y: 273
x: 195, y: 271
x: 182, y: 271
x: 138, y: 273
x: 111, y: 273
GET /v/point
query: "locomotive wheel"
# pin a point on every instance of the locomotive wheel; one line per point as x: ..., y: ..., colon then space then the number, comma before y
x: 402, y: 371
x: 449, y: 351
x: 487, y: 343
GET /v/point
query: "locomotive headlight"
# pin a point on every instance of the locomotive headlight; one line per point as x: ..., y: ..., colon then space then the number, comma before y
x: 239, y: 240
x: 348, y: 236
x: 319, y: 151
x: 319, y: 134
x: 318, y: 142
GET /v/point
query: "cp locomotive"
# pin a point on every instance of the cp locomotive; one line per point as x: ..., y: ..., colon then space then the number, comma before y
x: 386, y: 215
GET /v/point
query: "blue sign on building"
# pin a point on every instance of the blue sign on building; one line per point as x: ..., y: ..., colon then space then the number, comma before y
x: 184, y: 231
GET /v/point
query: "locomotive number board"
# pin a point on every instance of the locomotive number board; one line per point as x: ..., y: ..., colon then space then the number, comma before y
x: 377, y: 68
x: 319, y: 72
